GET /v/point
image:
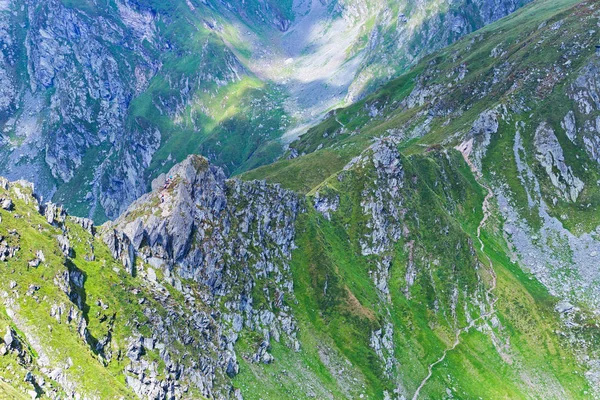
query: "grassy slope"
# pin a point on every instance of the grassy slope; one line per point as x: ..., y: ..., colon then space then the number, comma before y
x: 517, y: 34
x: 105, y: 284
x: 59, y: 340
x: 337, y: 304
x: 526, y: 310
x: 337, y: 298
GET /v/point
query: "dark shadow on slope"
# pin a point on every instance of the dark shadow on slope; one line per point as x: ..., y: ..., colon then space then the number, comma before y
x: 78, y: 295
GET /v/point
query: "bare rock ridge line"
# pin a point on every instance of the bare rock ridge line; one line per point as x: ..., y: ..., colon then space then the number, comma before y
x: 465, y: 149
x: 352, y: 265
x: 197, y: 225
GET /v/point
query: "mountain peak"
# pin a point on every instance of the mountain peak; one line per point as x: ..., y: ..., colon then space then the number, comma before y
x: 440, y: 231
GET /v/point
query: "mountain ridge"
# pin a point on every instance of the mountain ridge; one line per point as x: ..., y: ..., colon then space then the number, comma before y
x: 437, y: 234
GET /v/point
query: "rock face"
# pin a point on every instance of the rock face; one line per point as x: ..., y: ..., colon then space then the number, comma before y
x: 586, y: 127
x: 76, y: 98
x: 483, y: 129
x: 196, y: 213
x: 85, y: 68
x: 384, y: 206
x: 326, y: 203
x: 542, y: 250
x: 550, y: 155
x: 231, y: 238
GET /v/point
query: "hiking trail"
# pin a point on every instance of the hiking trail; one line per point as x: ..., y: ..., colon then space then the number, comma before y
x: 465, y: 148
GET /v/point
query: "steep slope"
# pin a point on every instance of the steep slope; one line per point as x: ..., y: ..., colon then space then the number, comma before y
x: 516, y: 99
x: 402, y: 234
x: 241, y: 289
x: 98, y: 98
x: 440, y: 234
x: 99, y: 90
x: 150, y: 323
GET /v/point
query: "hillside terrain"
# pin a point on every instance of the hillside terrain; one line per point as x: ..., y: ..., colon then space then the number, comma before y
x: 97, y: 98
x: 437, y: 238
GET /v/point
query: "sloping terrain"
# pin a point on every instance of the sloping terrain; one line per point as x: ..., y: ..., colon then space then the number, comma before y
x: 230, y: 289
x: 434, y: 240
x: 98, y: 98
x: 517, y: 100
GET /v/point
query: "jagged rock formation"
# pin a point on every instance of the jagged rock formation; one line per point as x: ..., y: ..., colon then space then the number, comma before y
x: 550, y: 156
x: 440, y: 233
x: 225, y: 235
x: 232, y: 239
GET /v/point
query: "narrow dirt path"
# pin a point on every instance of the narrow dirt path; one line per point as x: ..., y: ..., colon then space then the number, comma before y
x: 465, y: 149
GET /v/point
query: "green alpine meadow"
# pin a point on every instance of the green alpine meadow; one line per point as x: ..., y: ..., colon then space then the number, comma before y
x: 299, y: 199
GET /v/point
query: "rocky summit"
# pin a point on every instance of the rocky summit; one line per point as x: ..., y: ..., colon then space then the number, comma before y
x: 300, y: 199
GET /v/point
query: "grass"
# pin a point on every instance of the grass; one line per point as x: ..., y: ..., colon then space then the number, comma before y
x: 523, y: 351
x: 328, y: 266
x: 336, y: 304
x: 58, y: 341
x: 328, y: 260
x: 109, y: 300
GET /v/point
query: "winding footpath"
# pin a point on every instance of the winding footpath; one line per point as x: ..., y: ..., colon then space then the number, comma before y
x: 465, y: 149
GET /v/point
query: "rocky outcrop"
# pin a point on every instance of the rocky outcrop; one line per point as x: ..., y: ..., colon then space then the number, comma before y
x: 570, y: 125
x: 382, y: 341
x: 55, y: 215
x: 384, y: 205
x: 6, y: 204
x: 7, y: 251
x: 227, y: 236
x: 550, y: 155
x: 584, y: 90
x: 586, y: 95
x: 121, y: 249
x: 484, y: 127
x: 326, y: 203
